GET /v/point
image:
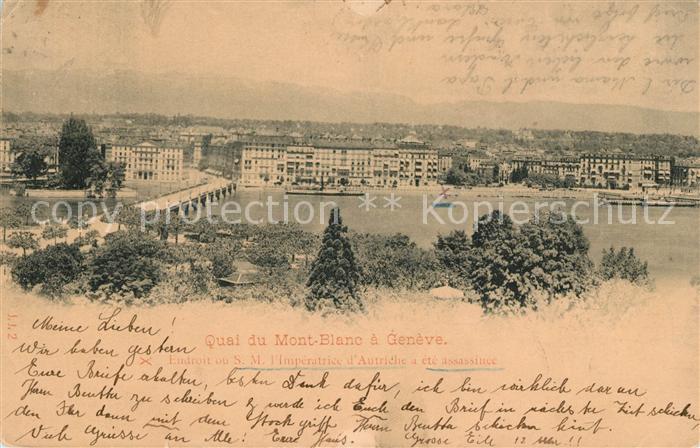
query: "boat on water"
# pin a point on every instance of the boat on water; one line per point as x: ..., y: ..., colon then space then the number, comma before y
x: 310, y: 192
x: 646, y: 202
x: 442, y: 205
x: 669, y: 203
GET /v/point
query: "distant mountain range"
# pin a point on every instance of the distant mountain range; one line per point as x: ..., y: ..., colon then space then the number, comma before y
x: 171, y: 94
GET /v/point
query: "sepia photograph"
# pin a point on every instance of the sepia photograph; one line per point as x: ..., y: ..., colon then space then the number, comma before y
x: 361, y: 223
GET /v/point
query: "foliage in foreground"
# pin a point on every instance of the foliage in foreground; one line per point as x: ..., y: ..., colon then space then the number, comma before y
x: 510, y: 264
x: 623, y: 264
x: 395, y: 261
x: 128, y: 262
x: 335, y: 275
x: 501, y: 266
x: 53, y: 268
x: 23, y: 240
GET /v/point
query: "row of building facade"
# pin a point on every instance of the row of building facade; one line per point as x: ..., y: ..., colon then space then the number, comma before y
x: 408, y: 162
x: 292, y: 161
x: 147, y: 160
x: 9, y: 151
x: 604, y: 171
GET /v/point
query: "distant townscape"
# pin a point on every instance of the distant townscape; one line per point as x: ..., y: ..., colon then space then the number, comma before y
x: 132, y: 250
x: 355, y: 156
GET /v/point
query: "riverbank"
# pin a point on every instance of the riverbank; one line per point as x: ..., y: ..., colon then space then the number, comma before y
x: 44, y: 193
x: 509, y: 190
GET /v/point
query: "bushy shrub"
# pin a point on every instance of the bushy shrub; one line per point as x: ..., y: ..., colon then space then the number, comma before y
x: 88, y: 238
x: 128, y: 262
x: 623, y: 264
x: 52, y: 268
x: 452, y: 252
x: 23, y: 240
x: 510, y: 266
x: 204, y: 231
x: 395, y: 261
x: 266, y: 254
x: 222, y: 256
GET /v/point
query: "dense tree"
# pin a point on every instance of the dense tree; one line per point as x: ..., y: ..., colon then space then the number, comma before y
x: 452, y: 252
x: 193, y: 271
x: 395, y: 261
x: 548, y: 181
x: 175, y: 225
x: 222, y: 255
x: 301, y: 242
x: 290, y: 239
x: 518, y: 175
x: 105, y: 177
x: 31, y: 163
x: 128, y: 262
x: 23, y: 240
x: 557, y: 259
x: 128, y: 217
x: 24, y: 212
x: 509, y: 266
x: 78, y: 154
x: 242, y: 231
x: 454, y: 176
x: 335, y: 274
x: 89, y: 238
x: 203, y: 231
x: 54, y: 232
x: 264, y: 252
x: 52, y: 268
x: 495, y: 245
x: 623, y: 264
x: 277, y: 245
x: 8, y: 220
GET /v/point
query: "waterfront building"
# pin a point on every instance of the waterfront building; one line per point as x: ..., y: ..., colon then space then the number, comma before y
x: 624, y: 171
x: 602, y: 170
x: 338, y: 164
x: 224, y: 159
x: 11, y: 148
x: 566, y: 169
x: 264, y: 161
x: 444, y: 163
x: 686, y: 173
x: 291, y: 161
x: 563, y: 169
x: 418, y: 163
x: 477, y: 159
x: 504, y: 170
x: 149, y: 160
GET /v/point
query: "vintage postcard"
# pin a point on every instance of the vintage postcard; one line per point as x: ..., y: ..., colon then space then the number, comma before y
x: 344, y: 223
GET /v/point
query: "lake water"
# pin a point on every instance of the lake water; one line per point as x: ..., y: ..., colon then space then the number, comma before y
x: 668, y: 240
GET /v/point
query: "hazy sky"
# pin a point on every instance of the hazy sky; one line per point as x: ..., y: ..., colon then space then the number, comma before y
x: 403, y: 48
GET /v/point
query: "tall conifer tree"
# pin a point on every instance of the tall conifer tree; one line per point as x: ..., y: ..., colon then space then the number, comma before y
x: 77, y: 153
x: 335, y: 274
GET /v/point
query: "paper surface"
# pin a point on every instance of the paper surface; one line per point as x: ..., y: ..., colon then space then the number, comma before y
x: 598, y: 377
x: 618, y: 366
